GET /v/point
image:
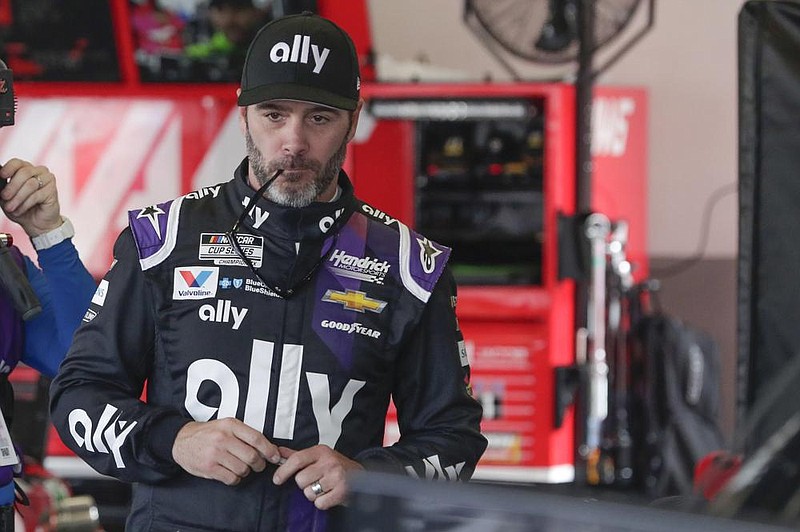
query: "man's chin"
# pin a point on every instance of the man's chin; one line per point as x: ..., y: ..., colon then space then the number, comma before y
x: 290, y: 197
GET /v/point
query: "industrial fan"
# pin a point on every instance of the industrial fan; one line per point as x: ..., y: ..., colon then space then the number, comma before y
x: 548, y: 31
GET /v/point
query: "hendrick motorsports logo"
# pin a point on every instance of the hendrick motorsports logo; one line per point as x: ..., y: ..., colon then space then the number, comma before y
x: 217, y: 247
x: 361, y: 268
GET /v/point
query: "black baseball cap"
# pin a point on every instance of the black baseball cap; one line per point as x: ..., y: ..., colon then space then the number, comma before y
x: 301, y: 57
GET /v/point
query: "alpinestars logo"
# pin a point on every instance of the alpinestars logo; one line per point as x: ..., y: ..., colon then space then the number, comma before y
x: 361, y: 268
x: 195, y: 282
x: 427, y: 254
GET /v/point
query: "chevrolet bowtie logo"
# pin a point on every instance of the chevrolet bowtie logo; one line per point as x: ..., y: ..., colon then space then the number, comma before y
x: 354, y: 300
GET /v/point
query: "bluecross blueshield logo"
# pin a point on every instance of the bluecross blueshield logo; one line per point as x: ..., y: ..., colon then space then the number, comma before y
x: 226, y: 283
x: 195, y: 282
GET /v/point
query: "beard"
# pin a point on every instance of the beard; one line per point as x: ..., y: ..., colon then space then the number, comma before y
x: 290, y: 190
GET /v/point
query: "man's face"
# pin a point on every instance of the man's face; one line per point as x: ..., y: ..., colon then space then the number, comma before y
x: 306, y: 140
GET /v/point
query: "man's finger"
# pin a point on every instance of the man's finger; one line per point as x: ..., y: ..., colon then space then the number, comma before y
x: 247, y: 455
x: 8, y: 170
x: 258, y: 441
x: 328, y: 500
x: 234, y: 464
x: 28, y: 188
x: 224, y: 475
x: 296, y: 462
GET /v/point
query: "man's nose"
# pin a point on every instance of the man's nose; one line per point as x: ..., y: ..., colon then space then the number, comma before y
x: 295, y: 138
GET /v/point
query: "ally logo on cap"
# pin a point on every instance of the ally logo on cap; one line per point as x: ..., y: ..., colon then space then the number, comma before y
x: 299, y: 52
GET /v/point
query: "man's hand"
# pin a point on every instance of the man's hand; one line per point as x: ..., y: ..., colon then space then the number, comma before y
x: 320, y: 472
x: 226, y: 450
x: 30, y: 198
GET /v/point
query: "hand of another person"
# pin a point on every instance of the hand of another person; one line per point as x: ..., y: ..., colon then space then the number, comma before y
x: 320, y: 472
x: 226, y: 450
x: 30, y: 197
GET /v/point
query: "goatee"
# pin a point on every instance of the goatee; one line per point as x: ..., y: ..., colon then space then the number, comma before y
x: 289, y: 191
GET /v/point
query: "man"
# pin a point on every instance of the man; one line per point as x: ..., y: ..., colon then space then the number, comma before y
x: 63, y: 289
x: 272, y: 318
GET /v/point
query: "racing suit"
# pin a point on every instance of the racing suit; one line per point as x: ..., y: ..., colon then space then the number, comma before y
x: 368, y: 314
x: 64, y: 288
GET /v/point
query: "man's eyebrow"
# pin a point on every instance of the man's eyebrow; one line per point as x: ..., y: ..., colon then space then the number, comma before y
x: 275, y: 106
x: 267, y: 106
x: 323, y: 109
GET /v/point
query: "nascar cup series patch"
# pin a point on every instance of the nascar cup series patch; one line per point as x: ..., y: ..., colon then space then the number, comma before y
x: 218, y: 248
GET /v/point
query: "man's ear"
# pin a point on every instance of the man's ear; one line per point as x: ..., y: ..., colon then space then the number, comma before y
x: 242, y: 115
x: 354, y: 124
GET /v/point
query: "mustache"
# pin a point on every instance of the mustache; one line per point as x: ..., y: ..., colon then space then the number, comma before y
x: 295, y: 163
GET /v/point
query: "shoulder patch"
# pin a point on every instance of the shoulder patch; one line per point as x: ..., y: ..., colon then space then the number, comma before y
x: 422, y: 262
x: 155, y: 230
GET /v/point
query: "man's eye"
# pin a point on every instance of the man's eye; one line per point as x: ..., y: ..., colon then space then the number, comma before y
x: 319, y: 119
x: 274, y: 115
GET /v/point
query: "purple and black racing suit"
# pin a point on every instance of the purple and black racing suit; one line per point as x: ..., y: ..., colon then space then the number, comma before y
x: 367, y: 314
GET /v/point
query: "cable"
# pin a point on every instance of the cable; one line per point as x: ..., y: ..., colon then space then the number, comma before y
x: 685, y: 264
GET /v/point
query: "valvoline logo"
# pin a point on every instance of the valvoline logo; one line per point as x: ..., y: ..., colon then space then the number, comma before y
x: 195, y: 282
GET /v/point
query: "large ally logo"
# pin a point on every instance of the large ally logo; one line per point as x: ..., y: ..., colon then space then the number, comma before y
x: 195, y: 282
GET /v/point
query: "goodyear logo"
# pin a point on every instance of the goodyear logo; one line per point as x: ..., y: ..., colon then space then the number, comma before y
x: 350, y: 328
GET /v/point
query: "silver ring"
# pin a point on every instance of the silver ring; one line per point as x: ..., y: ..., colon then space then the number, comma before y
x: 316, y: 488
x: 39, y: 180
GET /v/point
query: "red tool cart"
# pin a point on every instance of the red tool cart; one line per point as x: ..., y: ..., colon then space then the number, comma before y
x: 488, y: 169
